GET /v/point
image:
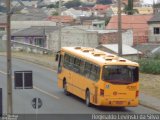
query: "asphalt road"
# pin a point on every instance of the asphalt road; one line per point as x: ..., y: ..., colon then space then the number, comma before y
x: 54, y: 101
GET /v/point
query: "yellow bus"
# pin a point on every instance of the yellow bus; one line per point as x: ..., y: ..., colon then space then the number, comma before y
x: 100, y: 78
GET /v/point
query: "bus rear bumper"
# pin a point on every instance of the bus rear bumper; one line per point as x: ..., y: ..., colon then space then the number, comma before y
x: 119, y: 102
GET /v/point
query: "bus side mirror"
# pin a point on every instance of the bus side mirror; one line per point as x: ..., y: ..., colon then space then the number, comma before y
x: 57, y: 57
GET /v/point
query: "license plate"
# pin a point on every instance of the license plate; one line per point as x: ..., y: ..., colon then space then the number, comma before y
x: 119, y: 102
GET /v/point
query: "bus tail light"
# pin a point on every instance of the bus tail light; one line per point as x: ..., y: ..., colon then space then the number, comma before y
x: 101, y: 92
x: 137, y: 93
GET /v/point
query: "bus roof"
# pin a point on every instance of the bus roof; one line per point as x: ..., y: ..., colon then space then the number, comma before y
x: 97, y: 56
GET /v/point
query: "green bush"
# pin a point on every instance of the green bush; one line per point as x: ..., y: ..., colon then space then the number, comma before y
x: 150, y: 66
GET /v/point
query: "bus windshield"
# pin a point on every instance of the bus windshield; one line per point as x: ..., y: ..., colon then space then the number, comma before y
x: 120, y: 74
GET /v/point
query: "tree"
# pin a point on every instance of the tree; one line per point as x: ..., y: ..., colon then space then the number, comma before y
x: 56, y: 5
x: 107, y: 19
x: 73, y: 3
x: 104, y: 2
x: 55, y: 13
x: 128, y: 9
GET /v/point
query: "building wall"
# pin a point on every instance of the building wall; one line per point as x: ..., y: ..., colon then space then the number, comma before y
x: 153, y: 37
x: 112, y: 37
x: 73, y: 37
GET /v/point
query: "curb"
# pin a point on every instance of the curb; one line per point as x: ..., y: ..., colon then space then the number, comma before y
x: 142, y: 103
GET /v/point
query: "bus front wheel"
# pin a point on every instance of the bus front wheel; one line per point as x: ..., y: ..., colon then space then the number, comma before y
x: 65, y: 88
x: 88, y: 98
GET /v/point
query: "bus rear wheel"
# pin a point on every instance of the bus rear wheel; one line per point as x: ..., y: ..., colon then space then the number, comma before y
x: 65, y: 88
x: 88, y: 98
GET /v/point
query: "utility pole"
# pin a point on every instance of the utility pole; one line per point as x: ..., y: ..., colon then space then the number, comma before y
x: 119, y: 29
x: 60, y: 26
x: 9, y: 67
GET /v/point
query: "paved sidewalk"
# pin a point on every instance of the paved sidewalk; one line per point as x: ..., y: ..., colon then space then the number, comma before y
x: 149, y: 101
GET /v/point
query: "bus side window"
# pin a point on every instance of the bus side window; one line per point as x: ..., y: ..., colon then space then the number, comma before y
x: 66, y: 61
x: 87, y: 69
x: 72, y: 59
x: 81, y: 67
x: 94, y: 74
x: 77, y: 65
x: 97, y: 73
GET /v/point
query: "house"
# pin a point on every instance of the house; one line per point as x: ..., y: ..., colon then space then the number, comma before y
x: 83, y: 8
x: 113, y: 10
x: 74, y: 36
x: 85, y: 36
x: 89, y: 20
x: 127, y: 51
x: 100, y: 9
x: 144, y: 10
x: 156, y: 7
x: 28, y: 3
x: 154, y: 28
x: 35, y: 35
x: 98, y: 24
x: 89, y: 1
x: 21, y: 21
x: 66, y: 20
x: 30, y: 14
x: 76, y: 13
x: 111, y: 37
x: 135, y: 2
x: 138, y: 23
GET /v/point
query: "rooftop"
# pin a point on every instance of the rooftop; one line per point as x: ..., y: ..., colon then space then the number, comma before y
x: 35, y: 31
x: 101, y: 7
x: 130, y: 21
x: 34, y: 14
x: 65, y: 19
x: 155, y: 18
x: 126, y: 49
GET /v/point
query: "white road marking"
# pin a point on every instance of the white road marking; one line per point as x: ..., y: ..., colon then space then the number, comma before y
x: 36, y: 88
x: 42, y: 91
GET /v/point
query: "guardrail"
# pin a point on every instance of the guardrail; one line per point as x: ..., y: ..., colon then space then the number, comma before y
x: 19, y: 46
